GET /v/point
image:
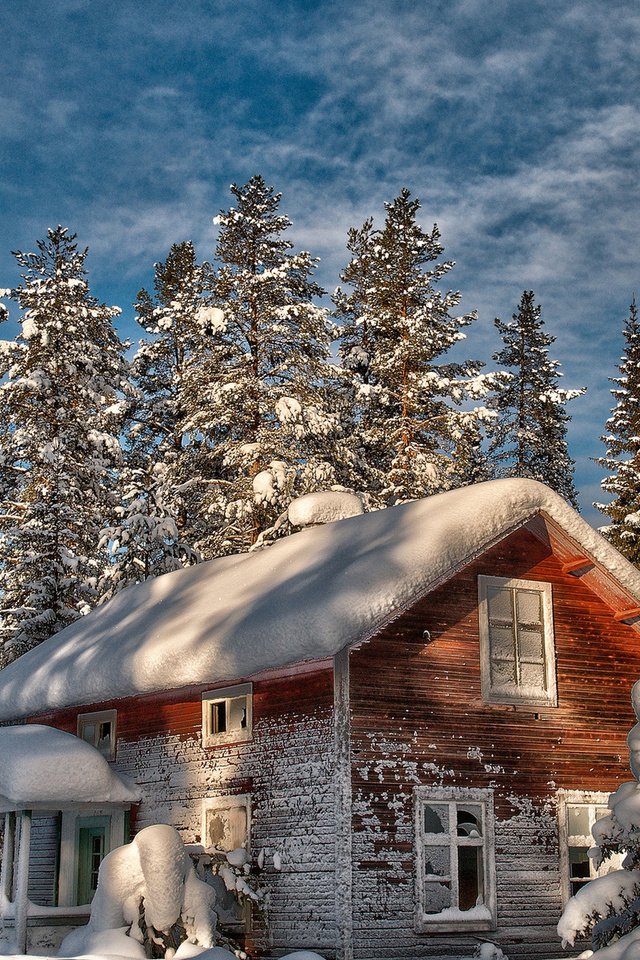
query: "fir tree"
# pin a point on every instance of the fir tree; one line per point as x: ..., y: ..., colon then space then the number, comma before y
x: 395, y: 327
x: 161, y: 517
x: 530, y: 437
x: 61, y: 412
x: 622, y: 458
x: 263, y: 394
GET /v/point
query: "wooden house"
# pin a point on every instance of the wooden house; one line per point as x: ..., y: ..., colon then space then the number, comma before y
x: 413, y: 715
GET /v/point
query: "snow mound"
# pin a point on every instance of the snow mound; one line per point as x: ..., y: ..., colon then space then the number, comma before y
x: 324, y: 507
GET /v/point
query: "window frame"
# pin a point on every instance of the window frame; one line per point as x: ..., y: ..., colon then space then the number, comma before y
x: 225, y: 694
x: 591, y: 799
x: 97, y: 717
x: 544, y: 589
x: 423, y: 795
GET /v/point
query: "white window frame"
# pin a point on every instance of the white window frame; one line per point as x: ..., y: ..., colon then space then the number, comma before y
x: 592, y: 800
x: 489, y: 694
x: 100, y: 716
x: 210, y: 738
x: 70, y: 846
x: 426, y: 922
x: 226, y: 803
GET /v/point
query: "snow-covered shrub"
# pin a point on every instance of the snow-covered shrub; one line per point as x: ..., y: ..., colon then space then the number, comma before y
x: 150, y: 887
x: 489, y: 951
x: 236, y: 884
x: 609, y: 906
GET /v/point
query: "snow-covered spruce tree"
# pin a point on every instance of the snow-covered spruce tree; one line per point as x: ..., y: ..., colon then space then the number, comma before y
x: 622, y: 441
x: 60, y: 420
x: 609, y: 906
x: 263, y: 402
x: 530, y: 437
x: 161, y: 515
x: 395, y: 325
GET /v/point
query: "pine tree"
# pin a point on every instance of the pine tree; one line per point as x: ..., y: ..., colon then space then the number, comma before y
x: 395, y: 327
x: 531, y: 433
x: 61, y: 404
x: 161, y: 518
x: 622, y: 458
x: 263, y: 394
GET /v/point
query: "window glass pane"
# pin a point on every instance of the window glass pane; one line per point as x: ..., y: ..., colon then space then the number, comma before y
x: 437, y: 897
x: 88, y: 732
x: 469, y: 820
x: 503, y: 673
x: 104, y: 738
x: 579, y: 868
x: 219, y: 716
x: 602, y: 812
x: 470, y: 877
x: 502, y: 642
x: 436, y: 818
x: 238, y: 713
x: 532, y: 677
x: 531, y: 645
x: 529, y: 606
x: 437, y: 862
x: 437, y: 876
x: 499, y: 599
x: 578, y: 821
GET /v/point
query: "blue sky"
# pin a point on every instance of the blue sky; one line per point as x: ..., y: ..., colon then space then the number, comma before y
x: 516, y: 123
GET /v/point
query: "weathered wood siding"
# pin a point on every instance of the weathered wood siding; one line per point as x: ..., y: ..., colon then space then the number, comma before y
x: 45, y: 839
x: 418, y: 718
x: 287, y: 768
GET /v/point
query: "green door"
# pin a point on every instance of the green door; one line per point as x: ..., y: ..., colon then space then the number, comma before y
x: 93, y: 833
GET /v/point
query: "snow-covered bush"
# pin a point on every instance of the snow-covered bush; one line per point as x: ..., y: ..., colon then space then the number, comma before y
x: 609, y: 906
x: 150, y: 891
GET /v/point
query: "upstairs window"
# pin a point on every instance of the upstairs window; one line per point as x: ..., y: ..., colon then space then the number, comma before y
x: 99, y: 729
x: 455, y: 882
x: 516, y: 641
x: 227, y: 715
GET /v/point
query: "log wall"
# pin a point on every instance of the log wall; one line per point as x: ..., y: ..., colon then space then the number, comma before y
x: 418, y: 718
x: 287, y: 768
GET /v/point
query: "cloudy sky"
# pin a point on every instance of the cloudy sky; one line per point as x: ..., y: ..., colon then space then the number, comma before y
x: 516, y: 122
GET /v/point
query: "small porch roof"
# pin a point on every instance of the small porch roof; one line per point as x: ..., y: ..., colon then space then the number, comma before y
x: 42, y: 768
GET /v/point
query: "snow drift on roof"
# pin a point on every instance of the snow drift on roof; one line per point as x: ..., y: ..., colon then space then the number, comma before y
x: 41, y: 767
x: 304, y: 598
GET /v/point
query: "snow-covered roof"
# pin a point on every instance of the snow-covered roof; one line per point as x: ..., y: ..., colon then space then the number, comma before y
x: 46, y: 769
x: 304, y: 598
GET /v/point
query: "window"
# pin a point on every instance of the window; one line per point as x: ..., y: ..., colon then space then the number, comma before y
x: 99, y: 729
x: 225, y: 823
x: 455, y: 874
x: 227, y: 715
x: 577, y: 814
x: 517, y: 654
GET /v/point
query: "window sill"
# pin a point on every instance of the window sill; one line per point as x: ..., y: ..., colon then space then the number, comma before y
x: 226, y: 739
x: 454, y: 925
